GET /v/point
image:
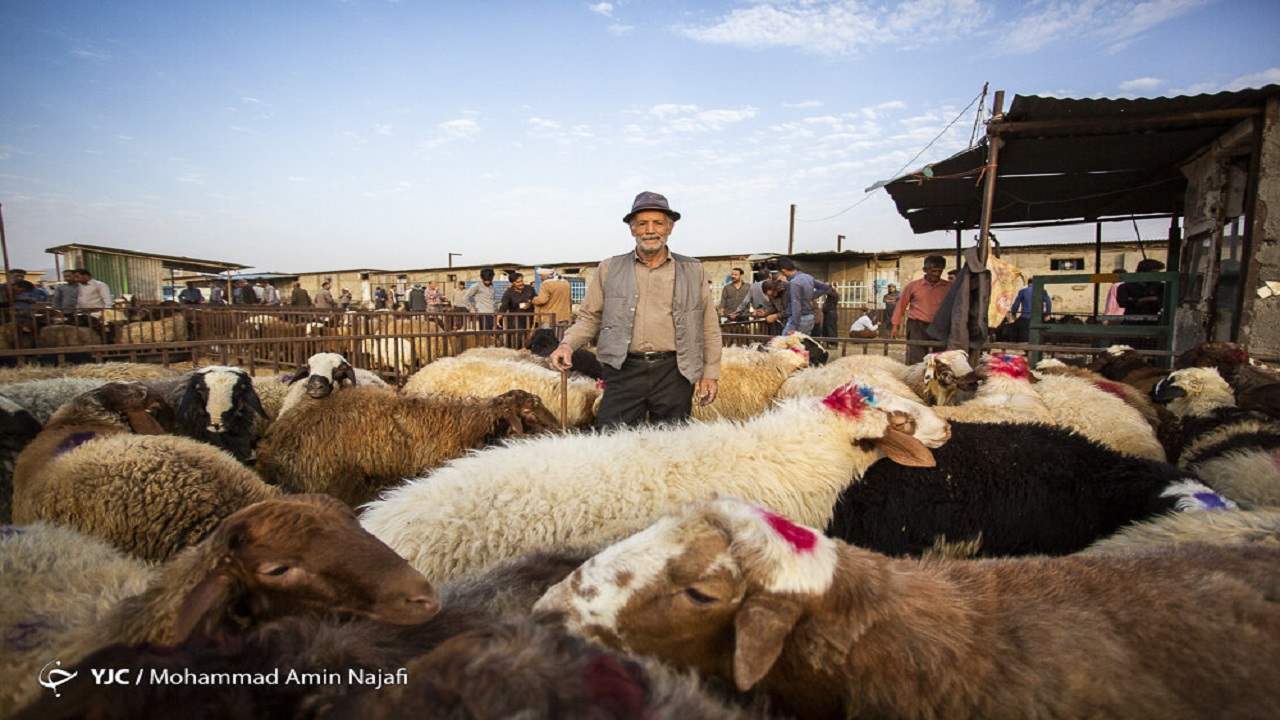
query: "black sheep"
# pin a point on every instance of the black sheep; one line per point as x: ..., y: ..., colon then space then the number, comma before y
x: 543, y: 342
x: 1017, y: 489
x: 217, y: 405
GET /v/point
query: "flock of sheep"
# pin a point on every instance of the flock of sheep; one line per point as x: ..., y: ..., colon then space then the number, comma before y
x: 852, y: 538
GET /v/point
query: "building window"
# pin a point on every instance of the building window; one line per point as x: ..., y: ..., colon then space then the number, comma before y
x: 1066, y: 264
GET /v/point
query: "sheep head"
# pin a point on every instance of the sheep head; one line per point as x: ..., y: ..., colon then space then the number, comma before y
x: 523, y: 413
x: 1194, y: 392
x: 1226, y: 356
x: 945, y: 375
x: 717, y: 587
x: 902, y: 430
x: 814, y: 354
x: 1117, y: 362
x: 301, y: 554
x: 122, y: 404
x: 214, y: 395
x: 324, y: 372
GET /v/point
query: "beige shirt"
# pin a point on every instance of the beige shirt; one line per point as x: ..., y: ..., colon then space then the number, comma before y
x: 654, y: 330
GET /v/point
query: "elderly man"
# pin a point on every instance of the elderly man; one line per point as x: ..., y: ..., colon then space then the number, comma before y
x: 554, y: 299
x: 655, y: 325
x: 324, y: 298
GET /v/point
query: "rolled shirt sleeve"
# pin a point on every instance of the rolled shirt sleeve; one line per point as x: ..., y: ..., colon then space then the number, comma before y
x: 584, y: 329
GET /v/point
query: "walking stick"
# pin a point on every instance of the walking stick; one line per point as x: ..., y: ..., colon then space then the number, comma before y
x: 564, y: 399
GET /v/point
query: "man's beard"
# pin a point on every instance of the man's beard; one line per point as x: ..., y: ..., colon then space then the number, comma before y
x: 640, y: 248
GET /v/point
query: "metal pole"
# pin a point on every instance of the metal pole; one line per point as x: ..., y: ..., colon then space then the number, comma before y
x: 451, y: 258
x: 1097, y: 266
x: 989, y: 192
x: 959, y: 250
x: 564, y: 399
x: 8, y: 286
x: 839, y: 243
x: 791, y: 234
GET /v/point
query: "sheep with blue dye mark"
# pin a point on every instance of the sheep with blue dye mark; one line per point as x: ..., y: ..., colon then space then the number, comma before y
x: 1235, y: 451
x: 1012, y: 489
x: 591, y: 488
x: 104, y: 466
x: 830, y: 630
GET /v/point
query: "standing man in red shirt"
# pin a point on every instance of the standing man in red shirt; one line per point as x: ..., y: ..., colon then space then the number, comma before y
x: 919, y: 302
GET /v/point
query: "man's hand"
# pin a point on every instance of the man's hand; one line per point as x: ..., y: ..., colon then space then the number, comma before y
x: 706, y: 390
x: 897, y: 331
x: 562, y: 358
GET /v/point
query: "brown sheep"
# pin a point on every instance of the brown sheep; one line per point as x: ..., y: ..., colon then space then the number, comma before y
x: 300, y: 555
x: 1123, y: 364
x: 829, y: 630
x: 148, y: 494
x: 361, y: 440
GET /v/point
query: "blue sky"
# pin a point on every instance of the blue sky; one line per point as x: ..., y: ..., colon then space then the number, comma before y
x: 322, y: 135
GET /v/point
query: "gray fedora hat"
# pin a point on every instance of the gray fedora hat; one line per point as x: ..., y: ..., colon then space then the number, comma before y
x: 650, y: 201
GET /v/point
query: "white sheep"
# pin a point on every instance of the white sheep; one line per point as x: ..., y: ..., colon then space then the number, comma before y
x: 750, y: 380
x: 861, y: 369
x: 324, y: 373
x: 583, y: 489
x: 483, y: 378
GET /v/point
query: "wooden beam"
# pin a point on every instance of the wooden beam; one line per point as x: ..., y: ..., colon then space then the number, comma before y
x: 989, y: 191
x: 1105, y: 125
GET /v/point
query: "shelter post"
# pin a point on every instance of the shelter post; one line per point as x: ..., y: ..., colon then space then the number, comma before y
x: 1097, y: 266
x: 791, y: 233
x: 8, y: 286
x: 993, y: 156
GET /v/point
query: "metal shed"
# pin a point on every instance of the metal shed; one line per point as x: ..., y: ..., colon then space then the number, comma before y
x: 141, y: 274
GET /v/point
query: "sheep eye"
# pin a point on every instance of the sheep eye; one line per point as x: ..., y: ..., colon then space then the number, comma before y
x: 698, y: 597
x: 277, y: 570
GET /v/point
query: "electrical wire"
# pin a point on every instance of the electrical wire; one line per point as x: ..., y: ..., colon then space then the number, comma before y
x: 908, y: 163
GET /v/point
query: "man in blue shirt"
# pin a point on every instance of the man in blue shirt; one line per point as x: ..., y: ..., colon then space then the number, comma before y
x: 802, y: 289
x: 1021, y: 310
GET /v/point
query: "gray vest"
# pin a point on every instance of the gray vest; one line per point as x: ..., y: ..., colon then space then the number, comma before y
x: 618, y: 319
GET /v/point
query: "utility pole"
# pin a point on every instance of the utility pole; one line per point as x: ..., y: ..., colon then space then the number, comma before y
x: 451, y: 258
x: 8, y: 283
x: 791, y: 235
x: 839, y: 243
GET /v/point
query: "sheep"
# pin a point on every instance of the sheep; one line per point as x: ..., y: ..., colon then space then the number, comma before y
x: 750, y: 379
x: 148, y: 494
x: 583, y: 489
x: 170, y: 329
x: 893, y: 366
x: 801, y: 343
x: 271, y: 390
x: 1132, y: 397
x: 1124, y: 364
x: 1004, y: 395
x: 1014, y: 489
x: 831, y: 630
x: 459, y: 378
x: 304, y: 554
x: 324, y: 373
x: 115, y: 371
x: 943, y: 378
x: 217, y: 405
x: 315, y: 449
x: 819, y: 381
x: 1233, y: 450
x: 17, y: 428
x: 543, y: 342
x: 511, y: 587
x: 1214, y: 528
x: 43, y: 397
x: 67, y: 335
x: 458, y: 664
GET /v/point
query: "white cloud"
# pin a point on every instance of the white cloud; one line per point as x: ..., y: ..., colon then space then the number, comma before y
x: 1115, y: 23
x: 246, y: 100
x: 193, y: 178
x: 619, y: 29
x: 382, y: 129
x: 839, y: 27
x: 538, y: 123
x: 95, y: 55
x: 669, y: 109
x: 803, y: 105
x: 603, y: 8
x: 5, y: 151
x: 452, y: 131
x: 1270, y: 76
x: 705, y: 120
x: 1142, y: 84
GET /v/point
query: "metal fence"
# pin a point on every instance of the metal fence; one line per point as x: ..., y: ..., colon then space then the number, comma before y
x: 394, y: 344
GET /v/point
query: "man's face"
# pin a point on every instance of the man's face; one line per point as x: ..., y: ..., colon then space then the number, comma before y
x: 932, y: 273
x: 735, y: 276
x: 651, y: 228
x: 518, y: 283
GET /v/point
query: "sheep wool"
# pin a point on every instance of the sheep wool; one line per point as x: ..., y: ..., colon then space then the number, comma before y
x: 43, y: 397
x: 483, y: 378
x: 590, y: 488
x: 1237, y: 527
x: 750, y: 380
x: 148, y: 495
x: 115, y: 371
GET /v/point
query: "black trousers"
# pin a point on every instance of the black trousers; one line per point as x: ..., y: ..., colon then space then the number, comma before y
x: 652, y: 390
x: 917, y: 330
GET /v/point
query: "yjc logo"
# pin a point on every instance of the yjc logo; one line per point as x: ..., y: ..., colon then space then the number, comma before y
x: 52, y: 675
x: 110, y: 676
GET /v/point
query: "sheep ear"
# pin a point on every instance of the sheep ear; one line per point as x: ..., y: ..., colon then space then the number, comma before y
x: 302, y: 372
x: 905, y: 449
x: 201, y: 611
x: 254, y: 402
x: 344, y: 372
x: 761, y: 628
x: 142, y: 423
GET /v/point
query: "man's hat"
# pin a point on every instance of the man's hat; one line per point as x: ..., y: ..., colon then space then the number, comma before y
x: 650, y: 201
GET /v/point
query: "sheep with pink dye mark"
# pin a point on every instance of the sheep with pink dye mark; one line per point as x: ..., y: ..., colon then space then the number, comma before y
x: 829, y: 630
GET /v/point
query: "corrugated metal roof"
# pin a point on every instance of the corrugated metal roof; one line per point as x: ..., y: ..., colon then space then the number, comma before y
x: 177, y: 262
x: 1075, y: 160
